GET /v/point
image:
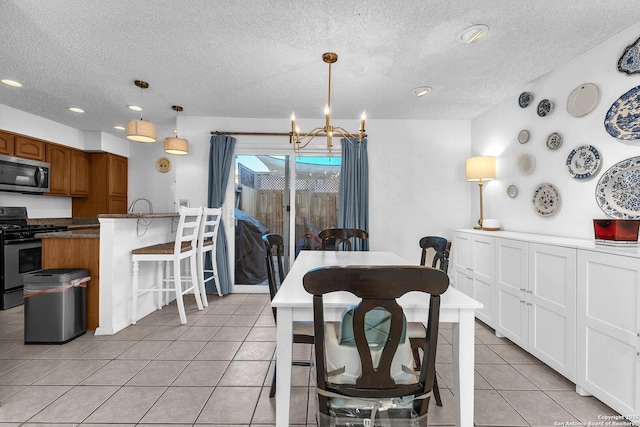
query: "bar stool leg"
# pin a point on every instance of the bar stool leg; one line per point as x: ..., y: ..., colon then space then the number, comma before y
x: 177, y: 283
x: 214, y: 270
x: 196, y: 282
x: 200, y: 267
x: 134, y: 292
x: 159, y: 272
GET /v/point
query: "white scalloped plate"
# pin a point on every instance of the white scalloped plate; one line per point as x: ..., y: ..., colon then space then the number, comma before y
x: 527, y: 164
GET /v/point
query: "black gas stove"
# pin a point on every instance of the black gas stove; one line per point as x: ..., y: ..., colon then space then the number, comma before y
x: 20, y: 252
x: 21, y: 233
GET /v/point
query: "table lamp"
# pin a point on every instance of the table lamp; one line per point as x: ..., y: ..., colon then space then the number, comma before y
x: 480, y: 169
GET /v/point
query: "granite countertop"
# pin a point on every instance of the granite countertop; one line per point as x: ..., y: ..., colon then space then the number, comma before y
x: 78, y: 233
x: 141, y: 215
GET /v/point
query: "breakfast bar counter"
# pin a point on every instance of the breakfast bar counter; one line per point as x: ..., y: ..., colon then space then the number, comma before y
x: 119, y: 234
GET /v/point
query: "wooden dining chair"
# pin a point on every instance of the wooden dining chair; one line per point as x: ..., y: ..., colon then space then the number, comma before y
x: 335, y: 238
x: 416, y: 330
x: 358, y: 376
x: 302, y: 332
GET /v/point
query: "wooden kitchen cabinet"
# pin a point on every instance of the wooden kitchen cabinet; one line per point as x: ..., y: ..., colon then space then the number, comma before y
x: 79, y: 171
x: 30, y: 148
x: 59, y: 158
x: 7, y: 143
x: 108, y: 187
x: 77, y: 253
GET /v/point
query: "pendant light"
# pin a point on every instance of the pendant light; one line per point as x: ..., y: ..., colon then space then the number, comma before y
x: 175, y: 145
x: 141, y: 130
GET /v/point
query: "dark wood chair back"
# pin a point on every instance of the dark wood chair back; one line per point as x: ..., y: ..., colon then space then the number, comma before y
x: 274, y: 244
x: 275, y: 266
x: 335, y: 238
x: 442, y: 247
x: 377, y: 286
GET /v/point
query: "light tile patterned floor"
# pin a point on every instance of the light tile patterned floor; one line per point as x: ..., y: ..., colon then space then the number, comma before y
x: 217, y: 370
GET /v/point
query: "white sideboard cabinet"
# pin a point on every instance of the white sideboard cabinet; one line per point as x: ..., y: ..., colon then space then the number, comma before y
x: 571, y: 303
x: 609, y: 329
x: 474, y: 270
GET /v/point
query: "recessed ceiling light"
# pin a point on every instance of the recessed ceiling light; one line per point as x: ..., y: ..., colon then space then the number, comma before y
x: 118, y: 127
x: 11, y: 83
x: 421, y: 91
x: 76, y: 109
x: 472, y: 34
x: 134, y: 108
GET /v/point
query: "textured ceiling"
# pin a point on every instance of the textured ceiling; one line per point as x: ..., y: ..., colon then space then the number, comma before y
x: 247, y: 58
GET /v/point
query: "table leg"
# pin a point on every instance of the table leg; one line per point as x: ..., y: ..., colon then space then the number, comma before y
x: 463, y: 368
x: 284, y: 348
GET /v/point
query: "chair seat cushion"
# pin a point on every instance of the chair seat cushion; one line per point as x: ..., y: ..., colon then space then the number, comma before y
x: 161, y: 249
x: 416, y: 330
x: 303, y: 328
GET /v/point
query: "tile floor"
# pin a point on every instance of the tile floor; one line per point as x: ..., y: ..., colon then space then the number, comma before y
x: 216, y: 371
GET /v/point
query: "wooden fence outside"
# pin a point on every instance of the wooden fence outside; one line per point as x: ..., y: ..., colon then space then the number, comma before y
x: 320, y: 209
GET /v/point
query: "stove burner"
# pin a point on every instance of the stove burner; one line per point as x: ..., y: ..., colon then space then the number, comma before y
x: 9, y: 226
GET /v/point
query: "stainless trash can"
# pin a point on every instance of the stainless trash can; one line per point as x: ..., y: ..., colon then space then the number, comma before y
x: 55, y: 308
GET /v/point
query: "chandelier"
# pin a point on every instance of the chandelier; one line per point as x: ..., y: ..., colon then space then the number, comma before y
x: 300, y: 141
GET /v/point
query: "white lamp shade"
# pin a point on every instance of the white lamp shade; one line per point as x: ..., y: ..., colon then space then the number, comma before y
x: 141, y: 131
x: 481, y: 168
x: 176, y: 146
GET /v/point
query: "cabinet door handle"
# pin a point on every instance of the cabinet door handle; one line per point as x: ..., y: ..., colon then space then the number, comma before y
x: 523, y: 289
x: 529, y: 292
x: 529, y: 304
x: 522, y: 301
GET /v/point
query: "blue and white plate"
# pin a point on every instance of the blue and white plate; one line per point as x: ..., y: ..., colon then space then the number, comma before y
x: 546, y: 199
x: 618, y: 190
x: 583, y: 162
x: 623, y: 118
x: 525, y: 99
x: 544, y: 107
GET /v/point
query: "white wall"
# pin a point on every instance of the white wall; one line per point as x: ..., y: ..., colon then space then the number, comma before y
x: 495, y: 133
x: 416, y: 171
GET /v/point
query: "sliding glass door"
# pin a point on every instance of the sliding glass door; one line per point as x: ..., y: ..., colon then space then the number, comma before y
x: 263, y: 192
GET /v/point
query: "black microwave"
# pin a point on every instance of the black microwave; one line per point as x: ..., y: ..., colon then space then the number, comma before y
x: 24, y: 175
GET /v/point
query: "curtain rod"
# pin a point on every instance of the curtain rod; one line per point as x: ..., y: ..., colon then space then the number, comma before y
x: 218, y: 132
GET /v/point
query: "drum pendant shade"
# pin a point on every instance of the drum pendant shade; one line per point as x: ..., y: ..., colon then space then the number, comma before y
x: 141, y: 131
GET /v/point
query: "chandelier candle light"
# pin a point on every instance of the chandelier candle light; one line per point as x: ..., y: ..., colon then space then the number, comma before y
x: 175, y: 145
x: 480, y: 169
x: 301, y: 141
x: 141, y: 130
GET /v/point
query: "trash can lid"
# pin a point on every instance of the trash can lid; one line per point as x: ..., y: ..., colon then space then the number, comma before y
x: 55, y: 275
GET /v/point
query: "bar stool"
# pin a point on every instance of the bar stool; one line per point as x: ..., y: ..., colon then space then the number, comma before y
x: 184, y: 247
x: 207, y: 237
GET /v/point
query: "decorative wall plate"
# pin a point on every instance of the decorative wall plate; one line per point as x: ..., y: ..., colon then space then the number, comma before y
x: 554, y: 141
x: 629, y: 62
x: 618, y: 190
x: 583, y: 162
x: 523, y: 136
x: 527, y: 164
x: 512, y: 191
x: 525, y: 99
x: 623, y: 118
x: 163, y: 165
x: 544, y: 107
x: 546, y: 199
x: 582, y: 99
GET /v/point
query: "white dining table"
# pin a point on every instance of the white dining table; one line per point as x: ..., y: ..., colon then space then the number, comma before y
x: 294, y: 304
